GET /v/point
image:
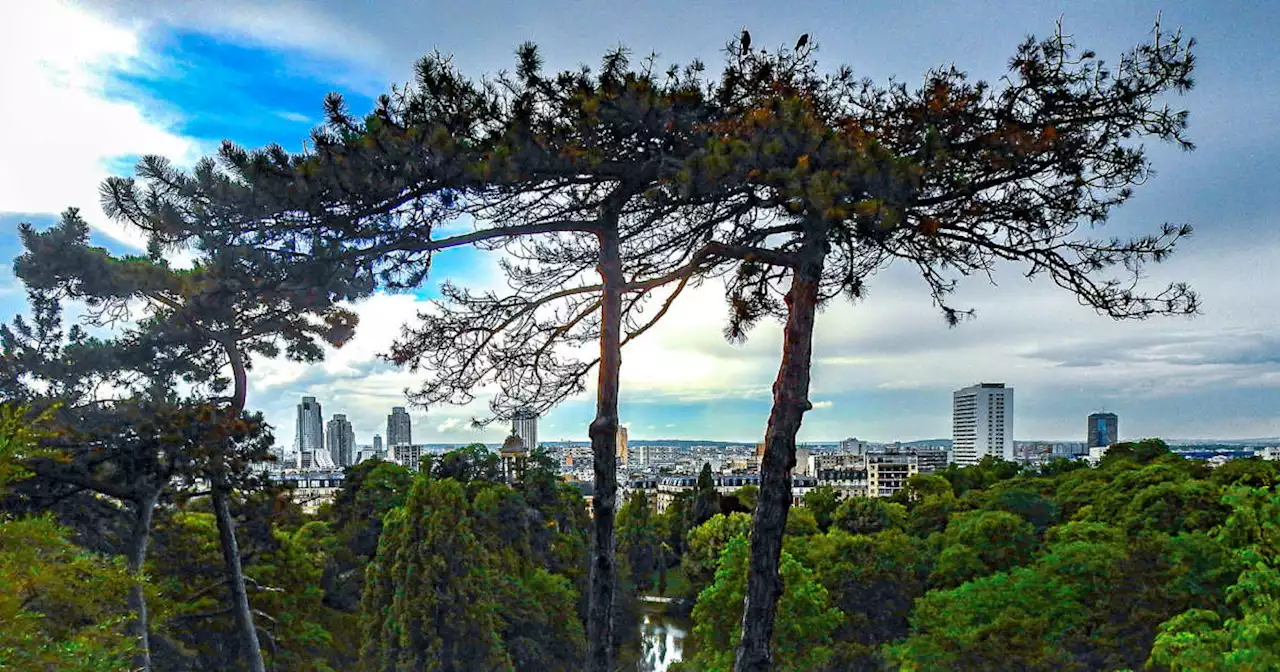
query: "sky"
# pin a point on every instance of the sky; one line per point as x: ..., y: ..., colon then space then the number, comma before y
x: 89, y: 87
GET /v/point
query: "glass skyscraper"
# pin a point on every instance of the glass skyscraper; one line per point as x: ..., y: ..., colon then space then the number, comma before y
x: 1104, y: 430
x: 399, y: 431
x: 310, y: 433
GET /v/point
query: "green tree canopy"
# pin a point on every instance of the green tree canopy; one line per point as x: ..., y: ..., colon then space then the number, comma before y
x: 823, y: 502
x: 806, y: 622
x: 429, y: 603
x: 706, y: 544
x: 868, y: 515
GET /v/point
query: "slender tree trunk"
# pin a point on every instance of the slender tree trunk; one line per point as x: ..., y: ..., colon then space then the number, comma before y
x: 790, y: 402
x: 139, y: 539
x: 235, y: 578
x: 603, y: 431
x: 227, y: 528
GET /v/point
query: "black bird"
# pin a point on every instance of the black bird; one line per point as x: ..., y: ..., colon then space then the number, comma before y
x: 804, y: 39
x: 746, y: 39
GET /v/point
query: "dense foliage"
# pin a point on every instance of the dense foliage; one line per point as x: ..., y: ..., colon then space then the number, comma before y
x: 1147, y: 561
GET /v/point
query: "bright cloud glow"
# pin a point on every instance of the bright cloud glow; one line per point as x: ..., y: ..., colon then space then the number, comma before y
x: 62, y: 129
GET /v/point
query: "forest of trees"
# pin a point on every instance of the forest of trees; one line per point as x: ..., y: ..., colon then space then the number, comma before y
x: 139, y: 535
x: 1147, y: 561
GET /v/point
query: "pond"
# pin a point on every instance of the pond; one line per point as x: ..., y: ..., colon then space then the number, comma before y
x: 662, y: 635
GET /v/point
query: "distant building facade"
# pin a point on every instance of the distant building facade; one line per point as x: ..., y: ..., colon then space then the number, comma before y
x: 624, y: 454
x: 802, y: 463
x: 406, y: 455
x: 651, y: 455
x: 887, y: 473
x: 930, y: 459
x: 670, y: 487
x: 524, y: 424
x: 853, y: 446
x: 310, y: 435
x: 819, y: 462
x: 377, y: 443
x: 399, y: 429
x: 311, y: 488
x: 1104, y: 430
x: 849, y: 481
x: 364, y: 453
x: 982, y: 423
x: 341, y: 441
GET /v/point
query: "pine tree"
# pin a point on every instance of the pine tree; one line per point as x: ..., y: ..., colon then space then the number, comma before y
x: 951, y: 178
x: 429, y: 604
x: 235, y: 302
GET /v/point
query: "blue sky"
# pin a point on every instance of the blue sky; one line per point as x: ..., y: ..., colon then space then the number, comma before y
x: 117, y: 80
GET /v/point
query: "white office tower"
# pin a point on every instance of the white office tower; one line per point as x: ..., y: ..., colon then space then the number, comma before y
x: 341, y: 441
x: 524, y: 424
x: 309, y: 433
x: 399, y: 431
x: 982, y: 423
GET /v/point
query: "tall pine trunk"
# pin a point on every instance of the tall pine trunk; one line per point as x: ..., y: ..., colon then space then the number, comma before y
x: 235, y: 578
x: 234, y: 572
x: 603, y: 431
x: 138, y: 541
x: 790, y: 402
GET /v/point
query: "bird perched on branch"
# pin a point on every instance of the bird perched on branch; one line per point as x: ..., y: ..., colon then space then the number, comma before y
x: 745, y: 39
x: 804, y: 39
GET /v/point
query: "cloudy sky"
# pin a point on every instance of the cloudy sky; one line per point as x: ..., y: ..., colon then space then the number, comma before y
x: 89, y: 87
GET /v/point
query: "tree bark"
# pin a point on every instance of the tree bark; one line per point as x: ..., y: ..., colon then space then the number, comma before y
x: 603, y: 431
x: 790, y: 402
x: 235, y: 578
x: 227, y: 530
x: 139, y: 539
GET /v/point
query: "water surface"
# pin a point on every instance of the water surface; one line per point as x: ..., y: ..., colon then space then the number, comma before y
x: 662, y: 636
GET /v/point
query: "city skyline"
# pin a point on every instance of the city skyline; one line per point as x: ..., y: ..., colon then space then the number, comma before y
x: 525, y: 425
x: 124, y: 79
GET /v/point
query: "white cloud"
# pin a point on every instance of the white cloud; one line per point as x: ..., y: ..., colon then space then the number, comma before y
x: 61, y: 129
x: 822, y: 405
x: 351, y: 54
x: 294, y: 116
x: 447, y: 425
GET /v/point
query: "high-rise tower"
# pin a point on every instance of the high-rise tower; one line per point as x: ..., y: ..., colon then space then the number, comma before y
x: 524, y: 424
x: 982, y: 423
x: 310, y: 432
x: 399, y: 432
x: 342, y: 441
x: 1104, y: 430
